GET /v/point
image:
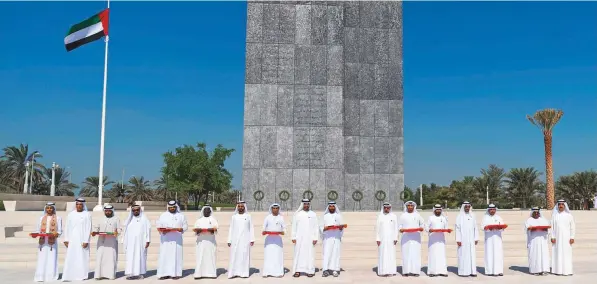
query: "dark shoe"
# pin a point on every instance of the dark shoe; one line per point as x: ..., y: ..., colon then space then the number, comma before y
x: 431, y: 275
x: 473, y: 275
x: 325, y: 273
x: 164, y: 278
x: 415, y: 275
x: 310, y: 275
x: 443, y: 275
x: 501, y: 274
x: 296, y: 275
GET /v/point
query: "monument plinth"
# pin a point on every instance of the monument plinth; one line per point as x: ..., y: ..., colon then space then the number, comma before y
x: 323, y: 104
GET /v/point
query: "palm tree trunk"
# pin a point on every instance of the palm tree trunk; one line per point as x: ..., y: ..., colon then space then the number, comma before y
x: 550, y: 192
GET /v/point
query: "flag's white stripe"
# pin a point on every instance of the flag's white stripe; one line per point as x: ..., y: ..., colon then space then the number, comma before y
x: 83, y: 33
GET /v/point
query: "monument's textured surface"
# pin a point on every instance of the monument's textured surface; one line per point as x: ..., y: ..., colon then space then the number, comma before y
x: 323, y: 103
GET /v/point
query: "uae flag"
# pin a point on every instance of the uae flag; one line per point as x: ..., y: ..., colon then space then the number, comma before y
x: 87, y: 31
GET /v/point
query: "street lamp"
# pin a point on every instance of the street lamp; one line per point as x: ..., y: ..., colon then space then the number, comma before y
x: 421, y: 195
x: 70, y: 175
x: 487, y: 194
x: 26, y: 186
x: 53, y: 186
x: 31, y: 177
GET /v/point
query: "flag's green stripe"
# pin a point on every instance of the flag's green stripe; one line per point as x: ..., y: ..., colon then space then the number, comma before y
x: 83, y: 41
x: 89, y: 22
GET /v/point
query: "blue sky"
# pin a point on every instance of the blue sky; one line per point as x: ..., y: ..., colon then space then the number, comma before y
x: 472, y: 71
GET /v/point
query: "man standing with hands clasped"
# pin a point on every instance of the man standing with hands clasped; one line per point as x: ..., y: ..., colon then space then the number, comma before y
x: 411, y: 225
x: 241, y: 238
x: 562, y: 238
x: 386, y: 231
x: 305, y: 233
x: 173, y: 224
x: 467, y: 238
x: 76, y: 240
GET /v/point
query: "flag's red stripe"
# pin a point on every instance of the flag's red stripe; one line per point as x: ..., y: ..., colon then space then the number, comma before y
x: 105, y: 18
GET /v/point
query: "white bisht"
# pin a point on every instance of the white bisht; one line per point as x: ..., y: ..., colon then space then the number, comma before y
x: 170, y: 259
x: 332, y: 239
x: 77, y: 233
x: 106, y: 263
x: 47, y: 257
x: 467, y: 234
x: 563, y: 229
x: 436, y: 257
x: 241, y: 237
x: 494, y: 251
x: 411, y: 241
x: 273, y: 249
x: 386, y: 230
x: 206, y: 248
x: 305, y: 231
x: 137, y: 234
x: 538, y: 252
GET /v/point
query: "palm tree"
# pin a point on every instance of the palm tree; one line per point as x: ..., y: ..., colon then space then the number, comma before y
x: 91, y: 186
x: 522, y: 184
x: 493, y: 178
x: 580, y: 186
x: 14, y: 164
x: 163, y: 191
x: 117, y: 193
x: 63, y: 185
x: 464, y: 189
x: 139, y: 189
x: 546, y: 120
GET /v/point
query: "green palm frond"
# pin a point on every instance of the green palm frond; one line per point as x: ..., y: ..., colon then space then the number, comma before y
x: 546, y: 119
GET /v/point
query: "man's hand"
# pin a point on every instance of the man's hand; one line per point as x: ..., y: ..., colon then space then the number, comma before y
x: 378, y: 243
x: 314, y: 242
x: 294, y: 242
x: 431, y: 230
x: 325, y: 228
x: 395, y: 242
x: 115, y: 233
x: 146, y: 244
x: 179, y: 229
x: 66, y: 244
x: 252, y: 243
x: 85, y: 245
x: 263, y: 233
x: 553, y: 241
x: 229, y: 244
x: 421, y: 229
x: 476, y: 242
x: 571, y: 241
x: 459, y: 243
x: 93, y: 234
x: 401, y: 230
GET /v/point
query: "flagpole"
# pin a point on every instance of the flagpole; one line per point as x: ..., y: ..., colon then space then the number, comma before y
x: 103, y: 131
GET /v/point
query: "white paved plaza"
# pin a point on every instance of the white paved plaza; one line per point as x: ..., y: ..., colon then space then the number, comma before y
x: 18, y: 253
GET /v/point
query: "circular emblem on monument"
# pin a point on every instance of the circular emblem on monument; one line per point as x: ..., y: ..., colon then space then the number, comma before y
x: 258, y: 195
x: 380, y: 195
x: 332, y: 195
x: 405, y: 195
x: 357, y: 195
x: 308, y: 195
x: 284, y: 195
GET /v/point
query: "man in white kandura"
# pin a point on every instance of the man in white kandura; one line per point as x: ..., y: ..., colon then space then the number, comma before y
x: 386, y: 230
x: 205, y: 228
x: 137, y: 235
x: 305, y: 233
x: 436, y: 257
x: 536, y: 228
x: 411, y: 241
x: 170, y: 259
x: 106, y: 262
x: 467, y: 238
x: 241, y: 238
x: 563, y: 229
x: 494, y: 251
x: 76, y: 240
x: 273, y: 249
x: 47, y: 258
x: 332, y: 230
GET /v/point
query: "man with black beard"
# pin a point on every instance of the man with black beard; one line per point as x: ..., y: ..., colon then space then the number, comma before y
x: 436, y: 263
x: 205, y: 228
x: 107, y: 245
x: 137, y: 235
x: 332, y: 228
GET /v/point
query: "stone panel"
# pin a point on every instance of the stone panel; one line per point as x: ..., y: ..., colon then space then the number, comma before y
x: 367, y: 155
x: 268, y: 146
x: 334, y: 180
x: 351, y: 45
x: 254, y: 22
x: 269, y: 65
x: 319, y: 24
x: 352, y: 118
x: 396, y: 118
x: 253, y: 63
x: 302, y: 64
x: 382, y: 182
x: 334, y: 106
x: 395, y: 46
x: 300, y: 183
x: 285, y: 112
x: 252, y: 101
x: 367, y: 116
x: 395, y: 15
x: 366, y: 80
x: 382, y: 155
x: 302, y: 106
x: 285, y: 64
x: 317, y: 186
x: 352, y: 183
x: 334, y: 144
x: 367, y: 45
x: 318, y: 106
x: 368, y: 189
x: 381, y: 46
x: 395, y: 88
x: 396, y: 155
x: 250, y: 184
x: 268, y: 104
x: 251, y: 158
x: 271, y: 23
x: 351, y: 14
x: 335, y: 25
x: 367, y: 14
x: 382, y: 14
x: 351, y: 80
x: 303, y: 24
x: 287, y: 23
x: 335, y: 65
x: 381, y: 83
x: 267, y: 184
x: 284, y: 182
x: 382, y: 116
x: 396, y: 187
x: 318, y: 74
x: 317, y: 137
x: 300, y: 153
x: 352, y: 155
x: 284, y: 146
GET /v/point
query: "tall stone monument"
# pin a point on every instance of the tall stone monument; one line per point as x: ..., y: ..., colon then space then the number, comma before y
x: 323, y: 104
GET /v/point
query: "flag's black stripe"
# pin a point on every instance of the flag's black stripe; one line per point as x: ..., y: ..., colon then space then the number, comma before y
x: 83, y: 41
